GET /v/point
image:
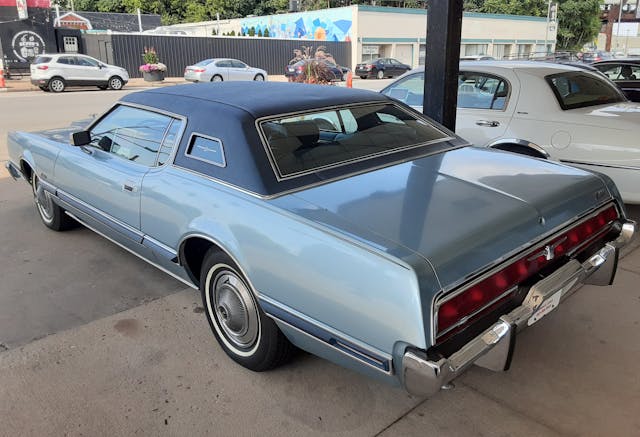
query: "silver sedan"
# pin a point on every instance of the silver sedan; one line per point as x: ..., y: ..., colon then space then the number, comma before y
x: 219, y: 70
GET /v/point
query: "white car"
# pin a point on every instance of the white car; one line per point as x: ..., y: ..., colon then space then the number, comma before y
x: 545, y: 110
x: 219, y: 69
x: 57, y: 71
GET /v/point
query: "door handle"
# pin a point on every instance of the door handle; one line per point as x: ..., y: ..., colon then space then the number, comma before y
x: 488, y: 123
x: 129, y: 186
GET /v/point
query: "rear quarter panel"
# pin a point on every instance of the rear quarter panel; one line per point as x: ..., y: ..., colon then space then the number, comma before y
x: 34, y: 150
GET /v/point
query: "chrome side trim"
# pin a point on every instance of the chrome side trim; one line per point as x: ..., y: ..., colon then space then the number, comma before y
x: 131, y: 251
x: 620, y: 167
x: 520, y: 142
x: 522, y: 251
x: 14, y: 171
x: 276, y: 169
x: 337, y: 340
x: 160, y: 248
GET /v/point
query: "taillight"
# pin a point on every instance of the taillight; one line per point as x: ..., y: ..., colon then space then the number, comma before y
x: 300, y: 68
x: 42, y: 67
x: 498, y: 287
x: 369, y: 66
x: 198, y: 70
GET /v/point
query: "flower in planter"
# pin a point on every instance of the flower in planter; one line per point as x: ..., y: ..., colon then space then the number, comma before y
x: 316, y: 71
x: 151, y: 61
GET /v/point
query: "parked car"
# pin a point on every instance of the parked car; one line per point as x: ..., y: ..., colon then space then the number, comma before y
x: 57, y: 71
x: 546, y: 110
x: 297, y: 68
x: 336, y: 220
x: 218, y: 70
x: 477, y: 58
x: 625, y: 73
x: 381, y: 68
x: 596, y: 56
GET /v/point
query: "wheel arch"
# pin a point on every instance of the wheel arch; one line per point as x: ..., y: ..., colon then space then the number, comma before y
x: 27, y: 166
x: 520, y: 146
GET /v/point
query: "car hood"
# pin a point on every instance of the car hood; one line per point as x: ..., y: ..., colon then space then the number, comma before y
x: 462, y: 210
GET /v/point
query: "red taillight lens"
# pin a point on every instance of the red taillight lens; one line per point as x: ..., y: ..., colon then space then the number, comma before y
x: 42, y: 67
x: 198, y: 70
x: 494, y: 289
x: 299, y: 68
x: 369, y: 66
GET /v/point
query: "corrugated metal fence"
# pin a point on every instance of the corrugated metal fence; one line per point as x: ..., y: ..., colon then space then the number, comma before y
x: 177, y: 52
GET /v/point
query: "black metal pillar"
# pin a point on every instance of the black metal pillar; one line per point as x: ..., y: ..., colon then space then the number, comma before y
x: 444, y: 27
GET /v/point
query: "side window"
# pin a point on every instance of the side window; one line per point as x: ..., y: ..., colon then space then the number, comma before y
x: 238, y: 64
x: 169, y: 142
x: 480, y: 91
x: 223, y: 64
x: 85, y: 62
x: 409, y: 90
x: 207, y: 149
x: 67, y: 60
x: 131, y: 133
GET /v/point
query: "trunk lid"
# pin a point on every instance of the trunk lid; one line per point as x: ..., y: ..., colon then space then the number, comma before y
x: 462, y: 210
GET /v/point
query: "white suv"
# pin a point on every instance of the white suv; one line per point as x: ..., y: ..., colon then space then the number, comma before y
x: 55, y: 72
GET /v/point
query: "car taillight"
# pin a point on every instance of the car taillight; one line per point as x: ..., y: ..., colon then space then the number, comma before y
x: 300, y: 68
x: 42, y: 67
x: 198, y: 70
x: 369, y: 66
x: 482, y: 296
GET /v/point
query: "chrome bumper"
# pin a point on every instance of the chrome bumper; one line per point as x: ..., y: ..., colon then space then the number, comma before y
x: 493, y: 348
x: 13, y: 170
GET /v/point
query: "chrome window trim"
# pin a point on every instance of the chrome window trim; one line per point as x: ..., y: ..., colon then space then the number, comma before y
x: 621, y: 167
x: 179, y: 136
x: 206, y: 137
x: 464, y: 284
x: 276, y: 170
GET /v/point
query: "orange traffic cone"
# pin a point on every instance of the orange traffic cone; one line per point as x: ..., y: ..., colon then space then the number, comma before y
x: 2, y: 84
x: 349, y: 79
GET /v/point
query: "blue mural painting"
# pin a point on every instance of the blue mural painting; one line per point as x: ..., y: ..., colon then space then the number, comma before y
x: 324, y: 25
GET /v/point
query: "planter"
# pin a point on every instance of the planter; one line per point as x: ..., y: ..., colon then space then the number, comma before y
x: 153, y: 76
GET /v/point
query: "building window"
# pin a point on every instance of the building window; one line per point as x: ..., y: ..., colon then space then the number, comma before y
x: 70, y: 44
x: 370, y: 52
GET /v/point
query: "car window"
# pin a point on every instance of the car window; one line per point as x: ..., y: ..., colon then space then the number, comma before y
x: 408, y: 90
x: 67, y: 60
x: 169, y: 142
x: 204, y: 63
x: 617, y: 72
x: 238, y: 64
x: 224, y: 64
x: 481, y: 91
x: 86, y: 62
x: 310, y: 142
x: 575, y: 89
x: 131, y: 133
x: 393, y: 61
x: 42, y: 60
x: 207, y: 149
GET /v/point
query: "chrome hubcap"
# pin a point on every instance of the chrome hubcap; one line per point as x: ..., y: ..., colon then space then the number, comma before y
x: 217, y: 79
x: 116, y: 84
x: 56, y: 85
x: 235, y: 309
x: 43, y: 201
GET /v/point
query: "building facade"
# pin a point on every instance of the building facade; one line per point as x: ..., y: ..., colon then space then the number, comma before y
x: 392, y: 32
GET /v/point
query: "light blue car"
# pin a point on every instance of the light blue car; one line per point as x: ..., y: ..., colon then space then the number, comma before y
x: 335, y: 220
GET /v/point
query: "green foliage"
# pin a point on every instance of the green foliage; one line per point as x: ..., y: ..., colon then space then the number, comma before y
x: 473, y: 5
x: 266, y: 33
x: 578, y: 23
x: 232, y: 33
x: 252, y: 31
x: 259, y: 33
x: 150, y: 56
x: 536, y: 8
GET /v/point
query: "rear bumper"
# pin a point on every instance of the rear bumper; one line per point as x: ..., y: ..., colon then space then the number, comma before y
x: 493, y: 348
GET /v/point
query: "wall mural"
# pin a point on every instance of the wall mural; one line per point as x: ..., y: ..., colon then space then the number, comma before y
x: 323, y: 25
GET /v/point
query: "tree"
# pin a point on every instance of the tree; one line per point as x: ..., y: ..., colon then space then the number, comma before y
x: 473, y: 5
x: 578, y: 23
x: 536, y: 8
x: 259, y: 33
x: 266, y: 33
x: 252, y: 31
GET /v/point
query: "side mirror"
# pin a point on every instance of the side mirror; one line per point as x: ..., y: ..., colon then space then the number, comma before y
x: 81, y: 138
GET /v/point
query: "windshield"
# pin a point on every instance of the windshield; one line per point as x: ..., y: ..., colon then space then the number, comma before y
x: 576, y: 89
x: 309, y: 142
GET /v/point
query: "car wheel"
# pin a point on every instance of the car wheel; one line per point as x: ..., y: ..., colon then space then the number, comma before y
x: 44, y: 88
x: 51, y: 214
x: 116, y: 83
x: 363, y: 77
x: 380, y: 74
x: 216, y: 78
x: 57, y: 85
x: 103, y: 87
x: 245, y: 333
x: 259, y: 78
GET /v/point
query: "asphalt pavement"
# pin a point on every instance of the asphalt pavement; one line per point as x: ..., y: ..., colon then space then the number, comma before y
x: 95, y: 342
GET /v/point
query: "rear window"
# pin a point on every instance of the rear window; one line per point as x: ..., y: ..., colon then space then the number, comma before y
x: 42, y: 59
x: 309, y: 142
x: 204, y: 63
x: 576, y: 89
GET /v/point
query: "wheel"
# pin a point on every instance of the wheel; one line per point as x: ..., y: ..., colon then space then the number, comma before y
x: 103, y: 87
x: 116, y: 83
x: 57, y: 85
x: 245, y: 333
x: 216, y: 78
x: 51, y: 214
x: 44, y: 88
x: 259, y: 78
x: 363, y: 77
x: 380, y: 74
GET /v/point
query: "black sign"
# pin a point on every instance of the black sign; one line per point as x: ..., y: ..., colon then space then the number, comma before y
x: 23, y: 40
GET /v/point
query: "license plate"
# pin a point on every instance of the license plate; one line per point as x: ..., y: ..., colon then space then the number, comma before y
x: 548, y: 306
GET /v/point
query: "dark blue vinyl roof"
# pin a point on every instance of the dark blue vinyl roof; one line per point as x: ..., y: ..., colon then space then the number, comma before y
x: 263, y: 98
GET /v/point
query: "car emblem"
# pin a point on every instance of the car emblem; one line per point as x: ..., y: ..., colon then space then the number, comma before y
x: 548, y: 252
